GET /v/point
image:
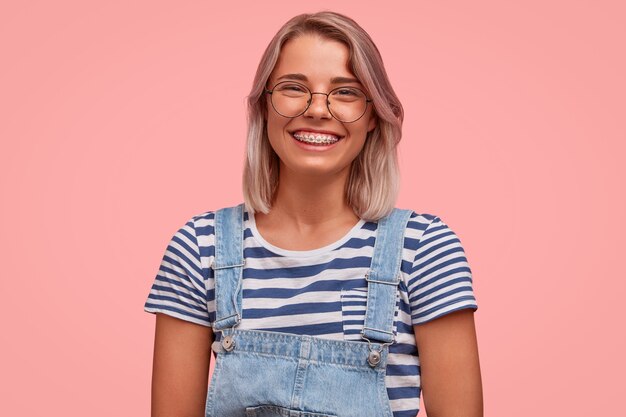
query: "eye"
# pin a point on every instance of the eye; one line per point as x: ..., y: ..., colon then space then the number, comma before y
x: 347, y: 95
x: 293, y: 87
x: 348, y: 92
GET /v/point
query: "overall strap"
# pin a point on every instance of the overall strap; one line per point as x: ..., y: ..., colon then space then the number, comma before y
x: 384, y: 276
x: 228, y: 266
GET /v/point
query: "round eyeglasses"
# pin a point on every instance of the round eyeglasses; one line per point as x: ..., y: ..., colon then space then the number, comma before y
x: 291, y: 99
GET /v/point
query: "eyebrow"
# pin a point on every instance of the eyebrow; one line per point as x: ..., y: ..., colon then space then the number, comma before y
x: 334, y: 80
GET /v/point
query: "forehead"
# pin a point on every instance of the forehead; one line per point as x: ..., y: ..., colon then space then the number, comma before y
x: 318, y: 58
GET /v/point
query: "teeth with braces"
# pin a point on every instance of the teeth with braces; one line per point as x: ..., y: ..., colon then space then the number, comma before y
x: 317, y: 139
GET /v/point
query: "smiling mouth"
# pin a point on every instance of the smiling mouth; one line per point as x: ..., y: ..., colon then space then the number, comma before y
x: 315, y: 138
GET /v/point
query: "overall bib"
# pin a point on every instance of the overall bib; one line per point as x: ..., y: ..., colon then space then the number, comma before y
x: 270, y: 374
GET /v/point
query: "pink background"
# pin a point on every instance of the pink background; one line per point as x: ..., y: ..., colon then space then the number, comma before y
x: 119, y: 120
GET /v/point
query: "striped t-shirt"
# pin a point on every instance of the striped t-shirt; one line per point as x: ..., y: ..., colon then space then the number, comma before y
x: 322, y: 292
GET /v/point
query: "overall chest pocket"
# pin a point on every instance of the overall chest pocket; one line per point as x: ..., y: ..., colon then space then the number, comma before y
x: 353, y: 307
x: 276, y: 411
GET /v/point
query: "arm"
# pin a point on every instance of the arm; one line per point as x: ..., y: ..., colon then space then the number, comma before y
x: 180, y: 367
x: 450, y: 369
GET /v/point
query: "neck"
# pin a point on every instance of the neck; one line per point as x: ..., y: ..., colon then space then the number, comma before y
x: 311, y: 200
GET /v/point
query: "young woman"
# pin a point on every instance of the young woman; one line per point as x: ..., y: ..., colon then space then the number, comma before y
x: 318, y: 297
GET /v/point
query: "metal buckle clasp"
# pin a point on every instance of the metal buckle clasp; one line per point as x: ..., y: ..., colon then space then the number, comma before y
x: 375, y: 356
x: 228, y: 339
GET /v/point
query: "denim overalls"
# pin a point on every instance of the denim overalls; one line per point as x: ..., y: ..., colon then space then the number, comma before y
x: 270, y: 374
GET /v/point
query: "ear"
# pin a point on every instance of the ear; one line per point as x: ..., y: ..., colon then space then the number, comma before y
x: 373, y: 122
x: 265, y: 106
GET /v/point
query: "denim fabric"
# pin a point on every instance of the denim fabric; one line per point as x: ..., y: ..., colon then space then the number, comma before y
x: 270, y: 374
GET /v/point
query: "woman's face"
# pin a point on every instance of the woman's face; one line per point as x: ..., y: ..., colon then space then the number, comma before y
x: 316, y: 62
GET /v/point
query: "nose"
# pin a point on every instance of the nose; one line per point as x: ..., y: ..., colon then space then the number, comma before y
x: 318, y: 108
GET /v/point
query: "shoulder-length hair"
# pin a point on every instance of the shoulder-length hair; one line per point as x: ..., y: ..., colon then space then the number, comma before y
x: 373, y: 182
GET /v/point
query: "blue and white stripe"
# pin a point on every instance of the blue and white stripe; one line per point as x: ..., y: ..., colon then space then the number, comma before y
x: 322, y: 292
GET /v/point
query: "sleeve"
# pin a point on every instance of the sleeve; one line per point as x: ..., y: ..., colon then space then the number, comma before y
x: 441, y: 279
x: 179, y: 287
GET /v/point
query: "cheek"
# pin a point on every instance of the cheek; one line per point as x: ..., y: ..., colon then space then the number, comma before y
x: 270, y: 126
x: 275, y: 128
x: 361, y: 130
